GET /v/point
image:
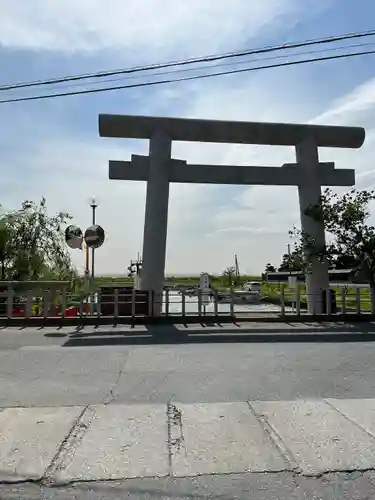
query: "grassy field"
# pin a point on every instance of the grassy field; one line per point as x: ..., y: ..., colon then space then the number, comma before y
x: 185, y: 280
x: 273, y: 292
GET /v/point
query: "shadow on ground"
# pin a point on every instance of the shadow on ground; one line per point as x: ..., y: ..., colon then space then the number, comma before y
x: 170, y: 334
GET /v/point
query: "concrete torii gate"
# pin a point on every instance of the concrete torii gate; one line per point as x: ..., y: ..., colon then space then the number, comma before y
x: 159, y: 169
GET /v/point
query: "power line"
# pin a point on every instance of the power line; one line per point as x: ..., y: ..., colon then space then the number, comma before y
x: 188, y: 78
x: 204, y: 59
x: 226, y: 64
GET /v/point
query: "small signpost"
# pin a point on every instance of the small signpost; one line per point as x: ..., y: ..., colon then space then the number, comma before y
x: 204, y: 290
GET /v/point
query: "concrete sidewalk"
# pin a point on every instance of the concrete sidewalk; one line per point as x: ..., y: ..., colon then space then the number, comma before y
x: 116, y: 442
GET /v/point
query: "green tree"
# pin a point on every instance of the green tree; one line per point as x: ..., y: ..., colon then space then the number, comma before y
x: 295, y: 261
x: 350, y: 236
x: 6, y: 252
x: 228, y: 275
x: 32, y: 244
x: 269, y: 268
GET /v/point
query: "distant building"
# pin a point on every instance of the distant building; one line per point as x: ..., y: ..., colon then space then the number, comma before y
x: 334, y: 275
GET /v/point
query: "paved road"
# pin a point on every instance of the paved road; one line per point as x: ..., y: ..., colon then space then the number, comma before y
x: 53, y: 367
x: 66, y: 369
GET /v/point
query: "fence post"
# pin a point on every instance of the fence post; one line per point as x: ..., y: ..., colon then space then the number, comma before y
x: 150, y: 303
x: 81, y: 306
x: 343, y: 308
x: 98, y: 304
x: 167, y: 302
x: 372, y: 303
x: 10, y: 296
x: 133, y: 302
x: 115, y: 308
x: 183, y: 303
x: 216, y: 299
x: 358, y: 300
x: 157, y: 302
x: 282, y: 301
x: 90, y: 298
x: 199, y: 302
x: 328, y: 302
x: 63, y: 302
x: 231, y: 304
x: 298, y: 300
x: 28, y: 304
x: 45, y: 303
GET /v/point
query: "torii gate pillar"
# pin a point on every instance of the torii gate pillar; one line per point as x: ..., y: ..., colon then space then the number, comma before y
x: 156, y: 215
x: 309, y: 193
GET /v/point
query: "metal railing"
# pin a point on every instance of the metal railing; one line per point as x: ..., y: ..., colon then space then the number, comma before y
x: 59, y: 302
x: 336, y: 300
x: 55, y: 300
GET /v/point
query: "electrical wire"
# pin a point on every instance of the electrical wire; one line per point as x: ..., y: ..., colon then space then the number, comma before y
x: 187, y: 78
x: 220, y: 65
x: 204, y: 59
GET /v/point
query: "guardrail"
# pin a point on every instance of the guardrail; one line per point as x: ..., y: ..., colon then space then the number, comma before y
x: 41, y: 303
x: 52, y: 300
x: 341, y: 300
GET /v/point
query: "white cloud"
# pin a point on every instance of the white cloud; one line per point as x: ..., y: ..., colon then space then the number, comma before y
x: 207, y: 224
x: 256, y: 222
x: 153, y: 27
x: 354, y: 108
x: 69, y: 171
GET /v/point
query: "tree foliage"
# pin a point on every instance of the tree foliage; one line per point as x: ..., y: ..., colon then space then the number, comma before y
x: 269, y: 268
x: 32, y: 244
x: 5, y: 244
x: 294, y: 261
x: 229, y: 274
x: 350, y: 236
x: 346, y: 219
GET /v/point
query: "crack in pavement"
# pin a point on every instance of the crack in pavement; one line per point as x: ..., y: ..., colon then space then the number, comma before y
x: 111, y: 397
x: 65, y: 452
x: 275, y: 438
x: 325, y: 478
x: 176, y: 439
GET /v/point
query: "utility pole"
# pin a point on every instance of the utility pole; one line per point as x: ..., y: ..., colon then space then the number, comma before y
x: 93, y: 206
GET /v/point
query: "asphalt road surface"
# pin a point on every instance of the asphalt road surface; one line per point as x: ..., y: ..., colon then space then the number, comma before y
x: 51, y: 367
x: 67, y: 367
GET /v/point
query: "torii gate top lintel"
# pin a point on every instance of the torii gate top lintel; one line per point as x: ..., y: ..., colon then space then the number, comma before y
x: 221, y: 131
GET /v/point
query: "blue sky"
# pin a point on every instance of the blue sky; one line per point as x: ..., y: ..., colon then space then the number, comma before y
x: 45, y: 145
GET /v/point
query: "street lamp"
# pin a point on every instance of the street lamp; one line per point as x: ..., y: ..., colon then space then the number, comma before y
x: 94, y: 206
